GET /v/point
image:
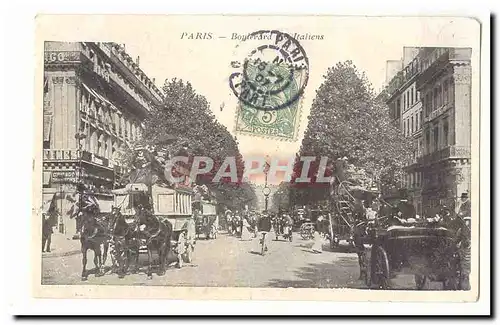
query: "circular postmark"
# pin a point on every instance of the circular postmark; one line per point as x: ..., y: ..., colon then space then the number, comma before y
x: 274, y: 73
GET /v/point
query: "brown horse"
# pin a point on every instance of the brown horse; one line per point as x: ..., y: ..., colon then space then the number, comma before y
x: 94, y: 236
x: 124, y: 242
x: 157, y: 235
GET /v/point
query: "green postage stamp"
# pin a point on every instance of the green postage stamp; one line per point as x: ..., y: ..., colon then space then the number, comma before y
x: 282, y: 124
x: 269, y: 85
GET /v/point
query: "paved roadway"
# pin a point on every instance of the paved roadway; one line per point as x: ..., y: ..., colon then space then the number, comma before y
x: 230, y: 262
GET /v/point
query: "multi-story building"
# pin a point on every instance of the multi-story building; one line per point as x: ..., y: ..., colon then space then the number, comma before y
x: 444, y: 82
x: 430, y: 99
x: 95, y: 99
x: 403, y: 99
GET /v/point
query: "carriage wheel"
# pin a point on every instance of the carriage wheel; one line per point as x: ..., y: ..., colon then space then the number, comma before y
x: 379, y: 273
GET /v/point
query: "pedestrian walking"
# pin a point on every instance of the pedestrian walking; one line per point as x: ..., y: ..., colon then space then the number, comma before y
x: 464, y: 240
x: 317, y: 246
x: 46, y: 232
x: 264, y: 227
x: 245, y: 231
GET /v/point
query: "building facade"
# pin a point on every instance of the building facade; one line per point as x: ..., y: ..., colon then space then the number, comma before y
x: 95, y: 100
x: 430, y: 99
x: 403, y: 98
x: 444, y: 82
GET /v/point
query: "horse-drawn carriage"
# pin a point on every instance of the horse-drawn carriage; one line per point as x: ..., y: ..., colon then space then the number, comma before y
x: 207, y: 221
x: 299, y: 216
x: 347, y: 201
x: 310, y: 220
x: 283, y: 224
x: 168, y: 204
x: 427, y: 251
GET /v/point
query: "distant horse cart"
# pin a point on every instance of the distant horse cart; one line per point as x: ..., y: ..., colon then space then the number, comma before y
x: 310, y: 222
x: 207, y: 220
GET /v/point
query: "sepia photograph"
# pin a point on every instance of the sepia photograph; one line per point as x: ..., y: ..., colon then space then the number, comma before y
x: 258, y: 152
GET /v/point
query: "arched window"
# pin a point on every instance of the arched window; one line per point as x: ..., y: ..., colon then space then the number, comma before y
x: 435, y: 100
x: 109, y: 146
x: 445, y: 133
x: 101, y: 145
x: 445, y: 92
x: 451, y: 93
x: 427, y: 141
x: 93, y: 141
x: 439, y: 96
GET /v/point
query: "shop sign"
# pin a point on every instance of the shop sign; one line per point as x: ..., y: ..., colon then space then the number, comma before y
x: 62, y: 56
x: 64, y: 176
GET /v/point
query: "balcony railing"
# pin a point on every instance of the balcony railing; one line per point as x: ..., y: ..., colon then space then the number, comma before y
x: 446, y: 153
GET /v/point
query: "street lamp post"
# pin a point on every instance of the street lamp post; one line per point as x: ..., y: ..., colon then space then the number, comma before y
x: 79, y: 137
x: 266, y: 189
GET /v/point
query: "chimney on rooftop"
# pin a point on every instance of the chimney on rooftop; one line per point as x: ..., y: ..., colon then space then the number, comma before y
x: 154, y: 81
x: 137, y: 60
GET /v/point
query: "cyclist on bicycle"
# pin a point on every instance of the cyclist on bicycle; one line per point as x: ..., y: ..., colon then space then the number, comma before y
x: 264, y: 227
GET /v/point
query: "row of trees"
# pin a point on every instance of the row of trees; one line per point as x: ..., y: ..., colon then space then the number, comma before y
x: 348, y: 120
x: 184, y: 125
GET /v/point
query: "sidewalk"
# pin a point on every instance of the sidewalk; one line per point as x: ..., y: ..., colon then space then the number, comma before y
x: 62, y: 246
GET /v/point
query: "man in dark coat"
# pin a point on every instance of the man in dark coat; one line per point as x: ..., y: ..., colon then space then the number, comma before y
x: 265, y: 225
x: 358, y: 234
x: 46, y: 232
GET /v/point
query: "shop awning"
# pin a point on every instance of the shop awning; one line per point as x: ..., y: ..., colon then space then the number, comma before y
x: 94, y: 92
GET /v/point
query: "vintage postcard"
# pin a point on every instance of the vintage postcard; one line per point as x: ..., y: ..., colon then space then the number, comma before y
x: 257, y: 157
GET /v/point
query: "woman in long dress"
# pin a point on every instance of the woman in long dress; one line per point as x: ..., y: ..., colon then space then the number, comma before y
x: 245, y: 230
x: 317, y: 246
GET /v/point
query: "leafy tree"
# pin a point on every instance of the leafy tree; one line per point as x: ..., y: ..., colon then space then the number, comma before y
x: 184, y: 125
x: 281, y: 197
x: 347, y: 120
